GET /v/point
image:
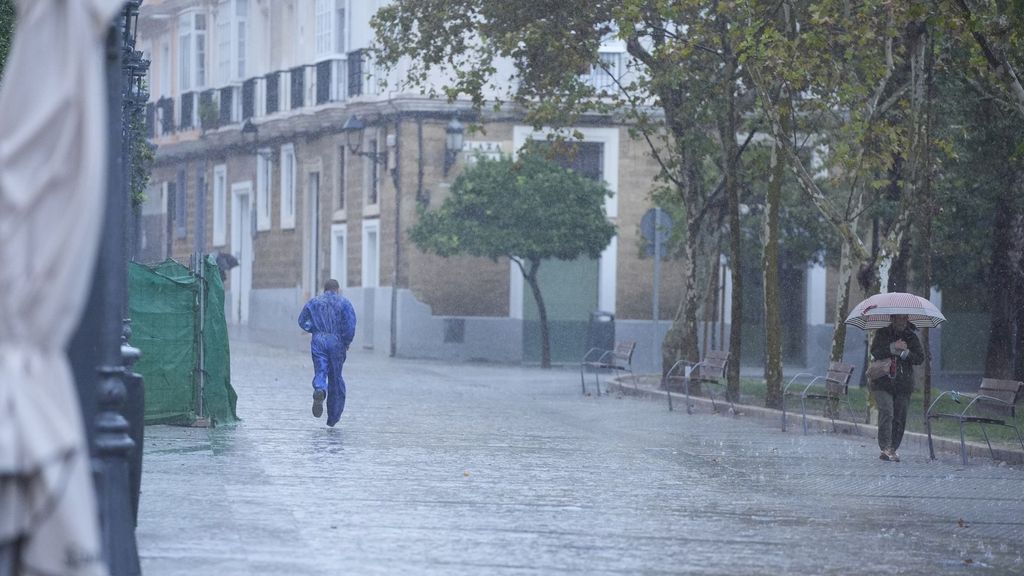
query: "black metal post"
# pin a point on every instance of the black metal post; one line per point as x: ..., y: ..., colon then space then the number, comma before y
x: 134, y: 411
x: 113, y: 444
x: 135, y: 96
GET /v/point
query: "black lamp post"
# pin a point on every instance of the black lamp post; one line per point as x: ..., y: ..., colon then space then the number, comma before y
x: 101, y: 365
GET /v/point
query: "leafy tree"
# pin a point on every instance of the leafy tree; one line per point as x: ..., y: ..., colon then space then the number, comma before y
x: 527, y: 211
x: 847, y: 64
x: 680, y: 93
x: 979, y: 230
x: 992, y: 73
x: 997, y: 29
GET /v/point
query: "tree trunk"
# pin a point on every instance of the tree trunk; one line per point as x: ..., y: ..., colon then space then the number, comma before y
x: 920, y: 177
x: 727, y: 136
x: 681, y: 340
x: 770, y: 260
x: 899, y: 271
x: 999, y: 359
x: 842, y: 304
x: 542, y: 311
x: 1018, y: 282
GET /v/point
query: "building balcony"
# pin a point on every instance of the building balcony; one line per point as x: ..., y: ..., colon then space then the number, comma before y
x: 275, y: 94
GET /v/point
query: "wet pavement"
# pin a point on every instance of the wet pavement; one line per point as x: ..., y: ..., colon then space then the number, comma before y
x: 481, y: 469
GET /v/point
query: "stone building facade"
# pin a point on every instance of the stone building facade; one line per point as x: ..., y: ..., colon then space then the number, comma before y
x: 250, y: 105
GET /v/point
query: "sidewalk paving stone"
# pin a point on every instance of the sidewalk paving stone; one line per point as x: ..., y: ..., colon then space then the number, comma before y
x: 483, y: 469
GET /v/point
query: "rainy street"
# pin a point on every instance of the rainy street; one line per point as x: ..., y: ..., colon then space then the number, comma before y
x: 488, y: 469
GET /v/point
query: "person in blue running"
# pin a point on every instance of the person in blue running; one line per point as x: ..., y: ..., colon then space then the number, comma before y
x: 331, y: 320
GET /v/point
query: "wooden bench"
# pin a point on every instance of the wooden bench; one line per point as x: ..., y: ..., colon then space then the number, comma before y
x: 833, y: 388
x: 994, y: 403
x: 710, y: 370
x: 618, y: 359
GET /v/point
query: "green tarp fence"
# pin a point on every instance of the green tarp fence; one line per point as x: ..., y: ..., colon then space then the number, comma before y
x: 171, y: 330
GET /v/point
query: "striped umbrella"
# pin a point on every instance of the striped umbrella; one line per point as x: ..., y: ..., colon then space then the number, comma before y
x: 876, y: 311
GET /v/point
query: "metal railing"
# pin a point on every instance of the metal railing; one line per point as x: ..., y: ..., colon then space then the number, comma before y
x: 327, y: 81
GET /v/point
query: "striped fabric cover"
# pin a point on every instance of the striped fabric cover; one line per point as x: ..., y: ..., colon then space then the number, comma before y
x: 876, y: 311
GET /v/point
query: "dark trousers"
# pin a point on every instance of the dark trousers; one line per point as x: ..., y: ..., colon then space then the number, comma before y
x: 892, y: 417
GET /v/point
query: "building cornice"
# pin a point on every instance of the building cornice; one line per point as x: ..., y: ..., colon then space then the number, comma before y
x: 310, y: 124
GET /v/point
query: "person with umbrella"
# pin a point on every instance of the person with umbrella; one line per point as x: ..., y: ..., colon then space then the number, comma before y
x: 899, y: 343
x: 896, y: 316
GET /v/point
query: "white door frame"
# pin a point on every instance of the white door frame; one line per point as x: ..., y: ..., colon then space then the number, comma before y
x: 311, y: 235
x: 371, y: 254
x: 339, y: 253
x: 241, y: 248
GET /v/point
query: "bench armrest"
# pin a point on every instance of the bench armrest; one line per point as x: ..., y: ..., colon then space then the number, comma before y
x: 811, y: 383
x: 986, y: 398
x: 682, y: 364
x: 594, y: 355
x: 955, y: 396
x: 794, y: 378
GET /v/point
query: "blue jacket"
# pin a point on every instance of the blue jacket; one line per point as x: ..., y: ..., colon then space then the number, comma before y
x: 329, y: 313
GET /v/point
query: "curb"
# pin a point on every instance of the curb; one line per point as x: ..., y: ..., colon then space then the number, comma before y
x: 820, y: 424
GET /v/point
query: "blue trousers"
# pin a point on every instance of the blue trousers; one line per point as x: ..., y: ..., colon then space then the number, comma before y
x: 328, y: 359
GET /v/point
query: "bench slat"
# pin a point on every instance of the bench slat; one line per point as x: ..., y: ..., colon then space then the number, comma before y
x: 990, y: 385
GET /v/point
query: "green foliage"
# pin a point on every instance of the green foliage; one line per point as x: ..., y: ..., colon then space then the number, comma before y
x: 209, y: 114
x: 142, y: 154
x: 7, y: 22
x: 804, y: 234
x: 979, y: 162
x: 548, y: 42
x: 840, y: 65
x: 529, y: 210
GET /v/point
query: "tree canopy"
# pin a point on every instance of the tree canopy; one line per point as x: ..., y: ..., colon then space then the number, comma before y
x: 527, y: 210
x: 858, y: 97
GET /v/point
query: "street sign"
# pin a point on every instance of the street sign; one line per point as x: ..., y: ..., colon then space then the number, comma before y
x: 656, y: 228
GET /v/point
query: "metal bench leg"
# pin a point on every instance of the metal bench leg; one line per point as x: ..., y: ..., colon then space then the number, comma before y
x: 668, y: 393
x: 803, y: 413
x: 597, y: 381
x: 783, y: 412
x: 853, y: 417
x: 963, y: 446
x: 928, y: 427
x: 984, y: 433
x: 583, y: 383
x: 686, y: 387
x: 1019, y: 438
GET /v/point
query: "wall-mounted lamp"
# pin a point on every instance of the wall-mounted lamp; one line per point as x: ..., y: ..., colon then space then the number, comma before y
x: 250, y: 127
x: 452, y: 143
x: 353, y: 129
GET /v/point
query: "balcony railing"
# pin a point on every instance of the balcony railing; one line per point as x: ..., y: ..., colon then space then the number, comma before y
x: 188, y: 111
x: 279, y: 92
x: 608, y: 75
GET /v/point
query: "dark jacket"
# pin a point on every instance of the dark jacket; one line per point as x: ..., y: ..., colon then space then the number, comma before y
x: 902, y: 382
